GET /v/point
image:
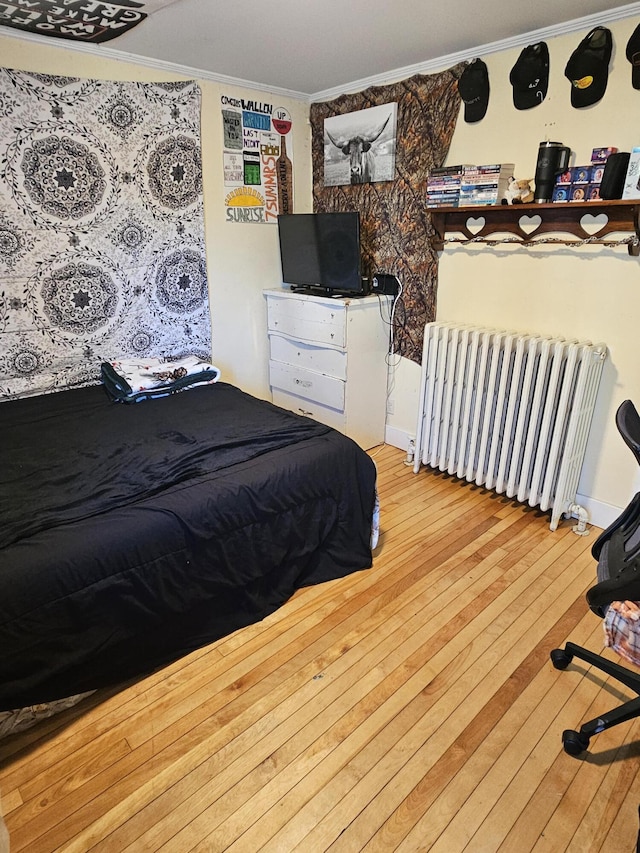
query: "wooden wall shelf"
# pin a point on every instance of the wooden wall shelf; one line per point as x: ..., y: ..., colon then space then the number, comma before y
x: 532, y: 224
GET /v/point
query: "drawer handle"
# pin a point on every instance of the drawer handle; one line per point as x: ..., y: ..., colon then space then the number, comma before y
x: 304, y: 384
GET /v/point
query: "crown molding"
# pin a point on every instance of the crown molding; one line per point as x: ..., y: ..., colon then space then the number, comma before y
x: 585, y: 23
x: 172, y: 68
x: 429, y: 67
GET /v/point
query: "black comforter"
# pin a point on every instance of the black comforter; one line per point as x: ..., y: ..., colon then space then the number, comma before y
x: 131, y: 535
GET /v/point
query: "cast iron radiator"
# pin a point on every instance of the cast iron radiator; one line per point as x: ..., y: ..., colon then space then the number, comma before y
x: 508, y: 411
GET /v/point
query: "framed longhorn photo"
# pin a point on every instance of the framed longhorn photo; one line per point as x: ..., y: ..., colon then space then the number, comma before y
x: 360, y: 147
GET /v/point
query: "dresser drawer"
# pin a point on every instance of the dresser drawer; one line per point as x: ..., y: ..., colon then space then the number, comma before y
x: 308, y: 384
x: 315, y: 410
x: 309, y: 321
x: 332, y: 362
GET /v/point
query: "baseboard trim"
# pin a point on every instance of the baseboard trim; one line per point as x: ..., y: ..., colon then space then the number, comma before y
x: 397, y: 437
x: 600, y: 514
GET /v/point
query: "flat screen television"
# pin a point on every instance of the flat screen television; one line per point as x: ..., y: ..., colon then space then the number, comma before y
x: 320, y: 252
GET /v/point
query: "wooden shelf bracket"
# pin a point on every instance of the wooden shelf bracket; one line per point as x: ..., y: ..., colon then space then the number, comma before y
x: 586, y: 223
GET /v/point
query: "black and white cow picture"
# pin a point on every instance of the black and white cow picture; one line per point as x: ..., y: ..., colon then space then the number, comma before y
x: 360, y: 151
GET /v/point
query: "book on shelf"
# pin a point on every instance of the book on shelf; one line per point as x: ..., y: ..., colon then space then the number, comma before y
x: 453, y: 202
x: 443, y: 185
x: 487, y: 184
x: 466, y: 184
x: 458, y: 169
x: 631, y: 188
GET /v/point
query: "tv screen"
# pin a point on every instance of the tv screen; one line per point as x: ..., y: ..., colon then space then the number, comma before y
x: 321, y: 252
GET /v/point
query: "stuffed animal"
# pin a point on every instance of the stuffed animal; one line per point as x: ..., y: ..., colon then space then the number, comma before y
x: 518, y: 192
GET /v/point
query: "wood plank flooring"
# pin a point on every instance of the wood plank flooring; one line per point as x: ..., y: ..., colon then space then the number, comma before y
x: 410, y: 707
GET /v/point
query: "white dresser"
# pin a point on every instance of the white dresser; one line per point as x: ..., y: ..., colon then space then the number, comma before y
x: 328, y: 360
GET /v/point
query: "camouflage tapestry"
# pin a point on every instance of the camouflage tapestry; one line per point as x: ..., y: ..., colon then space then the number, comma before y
x: 395, y: 223
x: 101, y: 228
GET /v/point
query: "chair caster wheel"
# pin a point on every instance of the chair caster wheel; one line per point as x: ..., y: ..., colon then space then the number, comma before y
x: 560, y: 658
x: 574, y: 743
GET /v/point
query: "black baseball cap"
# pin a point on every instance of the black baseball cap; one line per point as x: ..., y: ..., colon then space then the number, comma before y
x: 633, y: 55
x: 473, y: 86
x: 588, y: 67
x: 530, y: 76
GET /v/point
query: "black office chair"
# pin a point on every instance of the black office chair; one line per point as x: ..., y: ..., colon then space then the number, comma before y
x: 617, y: 551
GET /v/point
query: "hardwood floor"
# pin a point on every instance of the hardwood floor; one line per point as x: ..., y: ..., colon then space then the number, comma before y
x: 410, y: 707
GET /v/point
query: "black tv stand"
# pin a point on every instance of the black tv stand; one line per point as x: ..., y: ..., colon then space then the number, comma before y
x: 327, y: 291
x: 312, y: 291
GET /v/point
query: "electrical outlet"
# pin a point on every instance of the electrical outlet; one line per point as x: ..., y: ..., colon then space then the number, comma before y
x: 391, y: 406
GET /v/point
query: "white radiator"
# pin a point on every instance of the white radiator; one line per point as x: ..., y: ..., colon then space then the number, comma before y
x: 508, y: 411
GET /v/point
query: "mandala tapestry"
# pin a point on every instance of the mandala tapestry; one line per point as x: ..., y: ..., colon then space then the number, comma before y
x: 101, y: 228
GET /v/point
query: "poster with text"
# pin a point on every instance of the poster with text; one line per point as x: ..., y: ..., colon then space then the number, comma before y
x: 77, y: 20
x: 257, y: 160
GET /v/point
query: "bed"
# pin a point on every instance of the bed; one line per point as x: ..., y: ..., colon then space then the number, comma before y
x: 134, y: 534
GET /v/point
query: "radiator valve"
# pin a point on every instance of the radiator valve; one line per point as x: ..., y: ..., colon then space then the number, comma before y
x: 579, y: 512
x: 411, y: 452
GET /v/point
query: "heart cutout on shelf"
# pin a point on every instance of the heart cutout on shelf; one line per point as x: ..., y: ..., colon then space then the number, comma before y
x: 593, y: 224
x: 529, y: 224
x: 475, y: 226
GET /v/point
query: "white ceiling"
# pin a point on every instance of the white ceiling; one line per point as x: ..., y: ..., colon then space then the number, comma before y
x: 312, y: 48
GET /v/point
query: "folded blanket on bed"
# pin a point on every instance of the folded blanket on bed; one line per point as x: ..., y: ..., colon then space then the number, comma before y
x: 130, y: 381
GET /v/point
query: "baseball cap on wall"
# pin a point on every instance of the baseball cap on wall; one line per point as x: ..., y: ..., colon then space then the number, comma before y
x: 530, y: 76
x: 473, y: 86
x: 633, y: 55
x: 588, y: 68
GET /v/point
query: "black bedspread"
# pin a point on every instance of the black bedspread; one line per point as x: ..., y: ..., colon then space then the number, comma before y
x: 131, y: 535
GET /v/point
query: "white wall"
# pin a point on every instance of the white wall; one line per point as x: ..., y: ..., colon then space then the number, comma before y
x: 588, y: 293
x: 243, y: 260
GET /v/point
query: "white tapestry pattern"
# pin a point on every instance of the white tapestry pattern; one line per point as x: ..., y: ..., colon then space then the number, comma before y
x: 102, y: 252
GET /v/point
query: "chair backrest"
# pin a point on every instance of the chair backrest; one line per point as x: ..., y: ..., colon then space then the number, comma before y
x: 617, y: 549
x: 618, y: 561
x: 628, y: 423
